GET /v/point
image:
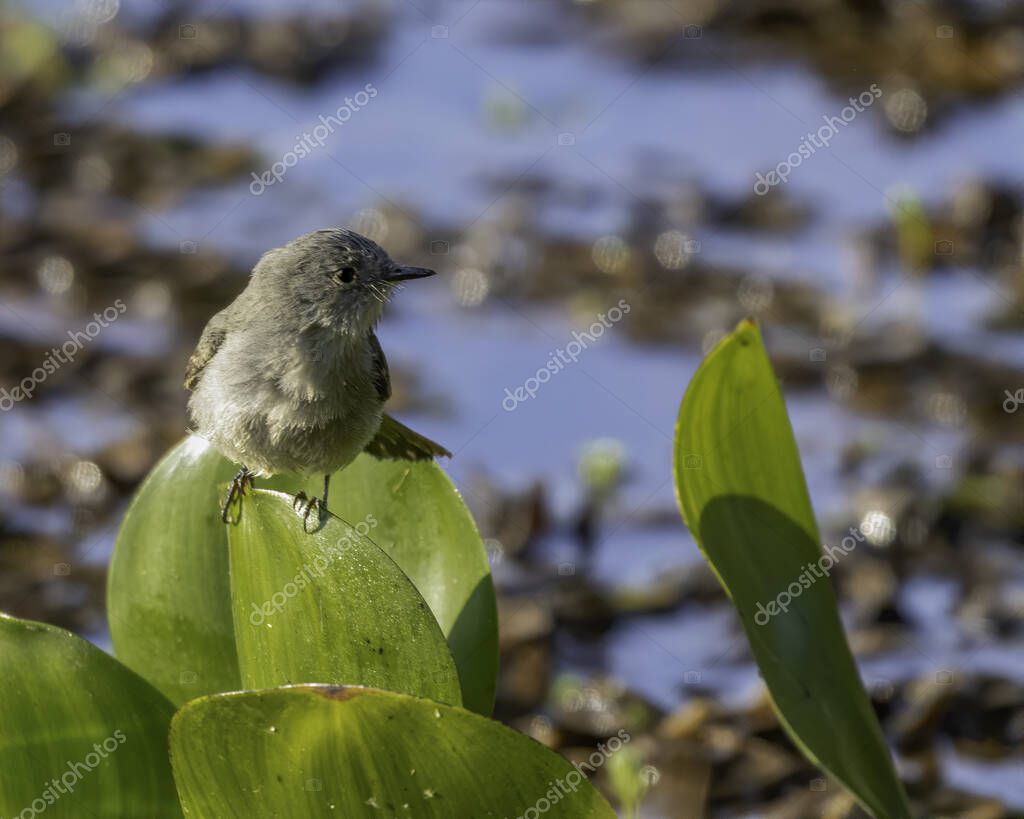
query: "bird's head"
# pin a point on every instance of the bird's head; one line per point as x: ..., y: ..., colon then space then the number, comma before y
x: 336, y: 278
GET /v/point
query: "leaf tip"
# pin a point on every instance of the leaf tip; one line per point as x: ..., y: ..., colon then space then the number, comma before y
x: 747, y: 330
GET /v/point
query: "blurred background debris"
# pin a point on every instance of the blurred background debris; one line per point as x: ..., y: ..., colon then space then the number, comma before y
x: 607, y: 187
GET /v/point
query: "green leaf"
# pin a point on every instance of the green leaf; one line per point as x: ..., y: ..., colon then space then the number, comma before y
x: 80, y: 734
x: 322, y: 751
x: 742, y: 493
x: 329, y: 606
x: 423, y: 524
x: 168, y: 595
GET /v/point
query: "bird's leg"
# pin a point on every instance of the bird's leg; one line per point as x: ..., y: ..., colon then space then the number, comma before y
x: 236, y: 491
x: 320, y: 504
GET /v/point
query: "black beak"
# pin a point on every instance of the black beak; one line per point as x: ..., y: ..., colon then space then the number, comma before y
x: 403, y: 273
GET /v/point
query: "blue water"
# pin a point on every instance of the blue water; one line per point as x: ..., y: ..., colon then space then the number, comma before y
x: 453, y: 112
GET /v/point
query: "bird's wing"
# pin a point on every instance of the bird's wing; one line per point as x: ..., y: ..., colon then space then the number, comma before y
x: 210, y: 341
x: 396, y: 442
x: 381, y: 374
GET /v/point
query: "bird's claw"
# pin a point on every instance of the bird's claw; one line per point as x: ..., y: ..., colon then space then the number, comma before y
x: 236, y: 491
x: 303, y: 500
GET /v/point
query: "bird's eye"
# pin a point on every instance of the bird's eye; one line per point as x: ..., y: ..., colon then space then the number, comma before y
x: 346, y: 275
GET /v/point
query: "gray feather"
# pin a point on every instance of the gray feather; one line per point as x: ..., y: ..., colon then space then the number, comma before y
x: 290, y: 377
x: 211, y: 340
x: 381, y: 373
x: 396, y: 442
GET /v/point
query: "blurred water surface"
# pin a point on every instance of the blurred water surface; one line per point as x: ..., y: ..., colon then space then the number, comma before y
x: 475, y: 101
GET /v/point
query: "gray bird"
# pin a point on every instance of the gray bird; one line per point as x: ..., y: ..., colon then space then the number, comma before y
x: 290, y: 377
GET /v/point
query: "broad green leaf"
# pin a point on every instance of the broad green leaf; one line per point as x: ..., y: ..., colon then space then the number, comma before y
x: 329, y: 606
x: 169, y: 592
x: 80, y: 734
x: 742, y: 493
x: 321, y: 751
x: 421, y: 521
x: 168, y: 595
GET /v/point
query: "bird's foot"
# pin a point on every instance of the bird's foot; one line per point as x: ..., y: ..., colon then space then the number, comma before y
x: 304, y: 504
x: 242, y: 481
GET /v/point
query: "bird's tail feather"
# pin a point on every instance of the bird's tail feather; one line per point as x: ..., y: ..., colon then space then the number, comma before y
x: 395, y: 441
